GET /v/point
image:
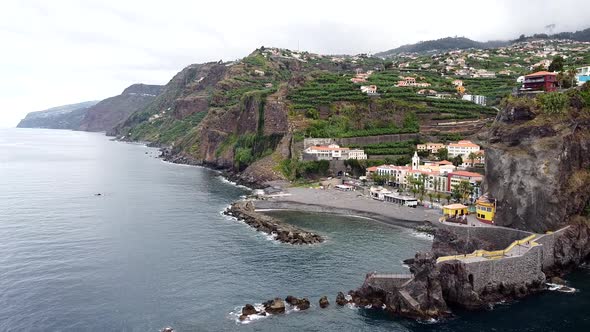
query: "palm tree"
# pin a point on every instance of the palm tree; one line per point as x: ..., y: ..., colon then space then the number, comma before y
x: 438, y: 196
x: 472, y: 156
x: 430, y: 196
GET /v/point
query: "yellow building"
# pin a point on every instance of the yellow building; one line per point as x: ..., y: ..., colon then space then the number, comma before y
x: 452, y: 210
x: 460, y: 89
x: 485, y: 208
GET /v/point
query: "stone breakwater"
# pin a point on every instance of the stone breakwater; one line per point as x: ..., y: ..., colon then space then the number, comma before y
x: 472, y: 282
x: 245, y: 211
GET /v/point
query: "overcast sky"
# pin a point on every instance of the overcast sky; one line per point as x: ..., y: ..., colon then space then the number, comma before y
x: 59, y: 52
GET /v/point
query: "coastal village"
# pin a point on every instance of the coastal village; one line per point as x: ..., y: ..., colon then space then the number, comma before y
x: 438, y: 180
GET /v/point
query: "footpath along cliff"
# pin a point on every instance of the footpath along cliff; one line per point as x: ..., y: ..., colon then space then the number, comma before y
x: 538, y: 167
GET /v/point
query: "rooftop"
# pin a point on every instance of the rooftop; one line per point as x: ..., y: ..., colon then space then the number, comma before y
x: 540, y: 73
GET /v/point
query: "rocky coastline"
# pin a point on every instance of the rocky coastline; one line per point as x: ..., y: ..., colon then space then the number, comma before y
x: 245, y: 211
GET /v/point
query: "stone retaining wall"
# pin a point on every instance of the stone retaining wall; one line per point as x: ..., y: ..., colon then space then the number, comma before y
x: 500, y: 237
x: 548, y: 242
x: 359, y: 140
x: 510, y: 270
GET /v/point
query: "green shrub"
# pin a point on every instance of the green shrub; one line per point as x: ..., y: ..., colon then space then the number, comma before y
x: 553, y: 102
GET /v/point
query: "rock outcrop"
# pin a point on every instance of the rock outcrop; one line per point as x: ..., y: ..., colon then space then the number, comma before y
x: 276, y: 306
x: 447, y: 243
x: 324, y: 303
x: 538, y: 169
x: 301, y: 304
x: 245, y: 210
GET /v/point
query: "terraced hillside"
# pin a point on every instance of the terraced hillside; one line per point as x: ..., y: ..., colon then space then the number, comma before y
x: 250, y: 116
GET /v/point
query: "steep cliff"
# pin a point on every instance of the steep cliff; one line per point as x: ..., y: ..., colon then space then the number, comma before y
x: 61, y: 117
x: 111, y: 111
x: 538, y: 164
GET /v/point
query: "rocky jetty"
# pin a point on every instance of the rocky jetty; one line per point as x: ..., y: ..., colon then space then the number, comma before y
x: 245, y: 210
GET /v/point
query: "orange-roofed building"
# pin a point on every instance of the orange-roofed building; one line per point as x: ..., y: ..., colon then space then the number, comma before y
x: 540, y: 81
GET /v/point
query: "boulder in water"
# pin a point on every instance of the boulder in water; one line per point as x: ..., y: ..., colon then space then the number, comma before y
x: 249, y: 309
x: 324, y: 303
x: 341, y: 299
x: 303, y: 304
x: 276, y: 306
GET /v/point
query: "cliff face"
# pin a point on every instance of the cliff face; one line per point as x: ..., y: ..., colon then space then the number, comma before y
x: 111, y: 111
x: 538, y: 168
x: 226, y: 115
x: 61, y: 117
x: 94, y: 115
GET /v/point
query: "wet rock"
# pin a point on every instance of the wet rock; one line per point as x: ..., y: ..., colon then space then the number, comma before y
x: 324, y: 303
x: 276, y: 306
x: 292, y: 300
x: 303, y: 304
x: 557, y: 280
x: 249, y: 309
x: 341, y: 299
x: 167, y: 329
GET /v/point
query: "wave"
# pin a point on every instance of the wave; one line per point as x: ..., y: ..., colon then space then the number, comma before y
x: 560, y: 288
x: 422, y: 235
x: 237, y: 312
x: 225, y: 180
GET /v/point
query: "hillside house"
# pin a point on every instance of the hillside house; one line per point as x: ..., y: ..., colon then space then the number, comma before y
x: 540, y: 81
x: 430, y: 147
x: 427, y: 92
x: 369, y: 89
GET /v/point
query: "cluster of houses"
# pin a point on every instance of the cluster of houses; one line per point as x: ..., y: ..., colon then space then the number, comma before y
x: 332, y: 152
x: 438, y: 176
x: 462, y: 148
x: 411, y: 81
x: 360, y: 76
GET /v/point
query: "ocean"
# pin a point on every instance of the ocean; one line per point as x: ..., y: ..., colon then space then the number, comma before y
x: 153, y: 250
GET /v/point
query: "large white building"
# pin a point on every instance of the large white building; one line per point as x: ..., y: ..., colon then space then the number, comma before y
x: 462, y: 148
x: 333, y: 152
x: 478, y: 99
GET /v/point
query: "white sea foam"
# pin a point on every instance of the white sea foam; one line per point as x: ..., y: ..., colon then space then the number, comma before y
x: 235, y: 315
x: 428, y: 321
x: 225, y: 180
x: 237, y: 312
x: 422, y: 235
x: 561, y: 288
